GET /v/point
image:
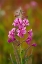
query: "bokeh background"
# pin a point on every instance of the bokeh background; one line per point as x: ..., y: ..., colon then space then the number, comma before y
x: 32, y: 9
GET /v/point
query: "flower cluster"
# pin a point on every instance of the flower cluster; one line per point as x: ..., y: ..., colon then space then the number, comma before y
x: 21, y: 26
x: 20, y: 30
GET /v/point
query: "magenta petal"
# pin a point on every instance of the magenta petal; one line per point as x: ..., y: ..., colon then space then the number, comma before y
x: 30, y: 32
x: 17, y: 22
x: 26, y: 22
x: 13, y: 39
x: 28, y: 40
x: 34, y: 44
x: 33, y: 3
x: 9, y: 40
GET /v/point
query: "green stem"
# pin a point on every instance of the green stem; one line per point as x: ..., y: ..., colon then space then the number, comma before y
x: 16, y: 54
x: 26, y: 53
x: 11, y: 59
x: 20, y: 54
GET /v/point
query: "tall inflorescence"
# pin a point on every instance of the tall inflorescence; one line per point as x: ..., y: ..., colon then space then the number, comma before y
x: 19, y: 29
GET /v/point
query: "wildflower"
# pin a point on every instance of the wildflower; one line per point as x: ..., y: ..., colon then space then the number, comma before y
x: 34, y: 44
x: 11, y: 35
x: 11, y: 40
x: 26, y: 22
x: 33, y: 4
x: 21, y: 26
x: 30, y: 32
x: 28, y: 40
x: 21, y: 32
x: 17, y: 22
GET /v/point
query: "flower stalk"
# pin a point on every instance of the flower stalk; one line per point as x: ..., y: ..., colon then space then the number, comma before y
x: 11, y: 59
x: 20, y: 54
x: 16, y: 54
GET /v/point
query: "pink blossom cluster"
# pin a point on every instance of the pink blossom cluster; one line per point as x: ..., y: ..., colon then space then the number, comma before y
x: 20, y: 30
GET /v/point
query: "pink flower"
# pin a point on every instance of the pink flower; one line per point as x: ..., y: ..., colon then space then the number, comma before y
x: 21, y: 26
x: 17, y: 22
x: 34, y: 44
x: 11, y: 40
x: 21, y: 32
x: 33, y: 4
x: 11, y: 35
x: 28, y: 40
x: 26, y: 22
x: 30, y: 32
x: 13, y: 29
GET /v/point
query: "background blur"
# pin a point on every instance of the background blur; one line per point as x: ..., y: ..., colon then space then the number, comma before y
x: 33, y: 9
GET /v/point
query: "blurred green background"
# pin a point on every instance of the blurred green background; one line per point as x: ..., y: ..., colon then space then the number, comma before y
x: 34, y: 13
